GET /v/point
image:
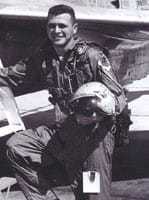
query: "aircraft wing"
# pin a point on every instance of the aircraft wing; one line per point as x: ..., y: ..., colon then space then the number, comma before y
x: 38, y: 10
x: 31, y: 108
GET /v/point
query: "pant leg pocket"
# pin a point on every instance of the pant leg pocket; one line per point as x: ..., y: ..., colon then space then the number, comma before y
x: 109, y: 145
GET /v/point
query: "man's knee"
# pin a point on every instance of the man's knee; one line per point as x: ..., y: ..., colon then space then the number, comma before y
x: 17, y: 147
x: 11, y: 151
x: 12, y: 147
x: 12, y: 142
x: 28, y: 144
x: 15, y: 143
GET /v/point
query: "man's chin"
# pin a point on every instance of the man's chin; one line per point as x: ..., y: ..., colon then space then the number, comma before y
x: 58, y: 43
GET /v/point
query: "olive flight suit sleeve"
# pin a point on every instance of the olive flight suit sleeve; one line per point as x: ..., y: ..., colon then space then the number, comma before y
x: 103, y: 72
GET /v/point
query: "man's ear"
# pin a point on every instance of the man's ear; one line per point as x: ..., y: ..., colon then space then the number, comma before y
x: 75, y: 28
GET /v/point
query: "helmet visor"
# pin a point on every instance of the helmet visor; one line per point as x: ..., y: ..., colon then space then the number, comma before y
x: 86, y: 106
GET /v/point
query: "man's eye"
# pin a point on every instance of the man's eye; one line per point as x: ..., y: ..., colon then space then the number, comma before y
x: 62, y: 25
x: 52, y: 26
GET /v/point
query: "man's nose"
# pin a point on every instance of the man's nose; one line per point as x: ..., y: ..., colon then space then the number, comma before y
x: 57, y: 28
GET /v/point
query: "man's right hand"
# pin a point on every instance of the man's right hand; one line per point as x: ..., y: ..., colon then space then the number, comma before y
x: 15, y: 74
x: 18, y: 70
x: 4, y: 72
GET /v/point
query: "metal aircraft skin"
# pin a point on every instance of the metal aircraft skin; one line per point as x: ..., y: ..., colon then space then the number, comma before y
x: 84, y: 12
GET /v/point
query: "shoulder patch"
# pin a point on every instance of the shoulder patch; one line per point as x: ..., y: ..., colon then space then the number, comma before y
x: 81, y: 48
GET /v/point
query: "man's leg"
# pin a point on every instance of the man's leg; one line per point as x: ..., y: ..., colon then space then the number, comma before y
x: 100, y: 161
x: 24, y: 153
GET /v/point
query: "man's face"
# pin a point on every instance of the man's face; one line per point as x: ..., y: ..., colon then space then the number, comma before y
x: 61, y: 29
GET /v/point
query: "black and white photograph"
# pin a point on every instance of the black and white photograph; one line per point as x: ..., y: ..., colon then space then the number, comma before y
x: 74, y: 93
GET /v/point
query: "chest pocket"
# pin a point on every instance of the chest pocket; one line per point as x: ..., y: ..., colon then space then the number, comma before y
x: 80, y: 78
x: 80, y: 74
x: 83, y: 72
x: 71, y: 80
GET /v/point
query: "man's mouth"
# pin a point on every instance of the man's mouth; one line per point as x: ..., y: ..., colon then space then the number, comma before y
x: 57, y: 37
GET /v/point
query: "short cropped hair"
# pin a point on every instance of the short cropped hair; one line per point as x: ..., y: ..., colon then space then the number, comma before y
x: 61, y: 9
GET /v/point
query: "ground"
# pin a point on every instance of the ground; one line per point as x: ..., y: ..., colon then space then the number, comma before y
x: 123, y: 190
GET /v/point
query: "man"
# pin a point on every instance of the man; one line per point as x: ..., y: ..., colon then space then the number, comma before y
x: 36, y: 154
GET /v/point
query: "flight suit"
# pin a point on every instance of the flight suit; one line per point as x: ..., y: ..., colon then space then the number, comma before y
x: 48, y: 157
